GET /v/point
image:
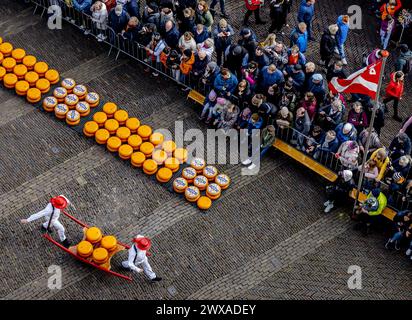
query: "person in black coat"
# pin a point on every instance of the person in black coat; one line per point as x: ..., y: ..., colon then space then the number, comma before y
x: 151, y: 13
x: 278, y: 14
x: 328, y: 44
x: 336, y: 70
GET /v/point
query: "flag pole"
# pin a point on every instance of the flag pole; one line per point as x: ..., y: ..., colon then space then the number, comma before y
x: 385, y: 55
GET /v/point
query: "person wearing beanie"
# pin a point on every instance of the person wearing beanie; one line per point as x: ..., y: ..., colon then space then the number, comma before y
x: 338, y: 193
x: 253, y: 6
x: 328, y: 44
x: 328, y: 144
x: 380, y: 156
x: 342, y: 36
x: 404, y: 61
x: 368, y: 212
x: 236, y: 57
x: 305, y: 14
x: 317, y: 86
x: 348, y: 155
x: 394, y: 92
x: 137, y: 256
x: 345, y: 131
x: 118, y: 18
x: 52, y: 214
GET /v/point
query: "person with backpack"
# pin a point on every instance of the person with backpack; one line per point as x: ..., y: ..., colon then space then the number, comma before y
x: 299, y: 37
x: 404, y: 61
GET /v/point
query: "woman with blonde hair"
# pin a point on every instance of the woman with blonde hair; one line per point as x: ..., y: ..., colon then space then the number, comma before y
x: 203, y: 15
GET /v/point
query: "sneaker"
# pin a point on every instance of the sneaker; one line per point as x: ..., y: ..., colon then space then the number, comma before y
x: 86, y: 32
x: 157, y: 279
x: 344, y: 62
x: 408, y: 252
x: 336, y: 50
x: 326, y: 203
x: 66, y: 243
x: 321, y: 62
x: 397, y: 246
x: 247, y: 162
x: 224, y: 15
x: 82, y: 27
x: 252, y: 166
x: 329, y: 207
x: 388, y: 244
x: 155, y: 74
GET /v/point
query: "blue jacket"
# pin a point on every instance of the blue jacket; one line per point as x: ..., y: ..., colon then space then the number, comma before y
x: 298, y: 80
x: 345, y: 137
x: 333, y: 146
x: 118, y: 23
x: 257, y: 125
x: 343, y: 31
x: 82, y: 5
x: 199, y: 38
x: 222, y: 85
x: 268, y: 80
x: 318, y: 90
x: 172, y: 37
x: 300, y: 39
x: 306, y: 13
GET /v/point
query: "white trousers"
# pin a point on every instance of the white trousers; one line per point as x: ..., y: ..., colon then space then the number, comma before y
x: 147, y: 269
x: 58, y: 226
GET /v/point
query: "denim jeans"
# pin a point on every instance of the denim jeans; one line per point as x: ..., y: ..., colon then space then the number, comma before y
x: 385, y: 37
x: 397, y: 236
x: 341, y: 49
x: 207, y: 109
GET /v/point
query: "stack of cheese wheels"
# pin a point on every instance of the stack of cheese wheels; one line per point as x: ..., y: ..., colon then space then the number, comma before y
x: 134, y: 141
x: 109, y: 243
x: 31, y: 77
x: 93, y: 235
x: 147, y: 148
x: 33, y: 95
x: 113, y: 144
x: 223, y: 181
x: 18, y: 55
x: 198, y: 164
x: 93, y: 99
x: 20, y: 71
x: 52, y: 75
x: 84, y: 249
x: 145, y: 132
x: 189, y: 174
x: 73, y: 118
x: 156, y: 138
x: 123, y: 133
x: 164, y: 175
x: 192, y: 194
x: 50, y: 103
x: 213, y: 191
x: 111, y: 125
x: 41, y: 68
x: 68, y: 84
x: 8, y: 64
x: 121, y: 116
x: 61, y: 110
x: 29, y: 61
x: 159, y: 156
x: 210, y: 172
x: 110, y: 109
x: 22, y: 87
x: 137, y: 159
x: 83, y: 108
x: 43, y: 85
x: 71, y: 100
x: 173, y: 164
x: 204, y: 203
x: 6, y: 48
x: 10, y: 80
x: 80, y: 91
x: 180, y: 154
x: 60, y: 93
x: 1, y: 57
x: 90, y: 128
x: 133, y: 124
x: 100, y: 118
x: 2, y: 73
x: 169, y: 147
x: 101, y: 136
x: 125, y: 152
x: 149, y: 167
x: 100, y: 255
x: 201, y: 182
x: 180, y: 184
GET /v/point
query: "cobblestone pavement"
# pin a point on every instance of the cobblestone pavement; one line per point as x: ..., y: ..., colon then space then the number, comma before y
x: 265, y: 239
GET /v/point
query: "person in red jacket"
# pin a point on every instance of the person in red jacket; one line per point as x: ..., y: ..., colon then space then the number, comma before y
x: 394, y: 91
x: 253, y: 6
x: 390, y: 8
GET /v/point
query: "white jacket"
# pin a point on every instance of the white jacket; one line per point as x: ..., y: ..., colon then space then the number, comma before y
x: 136, y: 257
x: 46, y: 212
x: 100, y: 17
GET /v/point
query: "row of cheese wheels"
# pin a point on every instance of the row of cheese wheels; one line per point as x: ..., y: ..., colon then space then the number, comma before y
x: 96, y: 246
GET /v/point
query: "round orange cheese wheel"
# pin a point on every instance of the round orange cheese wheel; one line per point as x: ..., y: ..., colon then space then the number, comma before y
x: 159, y: 156
x: 29, y: 61
x: 84, y: 249
x: 90, y: 128
x: 180, y: 184
x: 113, y: 144
x: 6, y: 48
x: 169, y: 146
x: 41, y: 68
x: 156, y: 138
x: 9, y: 64
x: 164, y: 175
x: 111, y: 125
x: 109, y: 243
x: 10, y: 80
x: 100, y: 255
x: 125, y: 152
x: 18, y: 54
x: 147, y: 148
x: 110, y: 108
x: 150, y: 166
x: 33, y: 95
x: 192, y: 193
x: 204, y: 203
x: 60, y: 110
x: 223, y: 181
x: 213, y: 191
x: 72, y: 117
x: 210, y: 172
x: 100, y: 118
x: 123, y: 133
x: 83, y: 108
x: 201, y: 182
x: 121, y: 116
x: 43, y: 85
x: 71, y: 100
x: 2, y: 72
x: 172, y: 163
x: 49, y: 103
x: 68, y: 84
x: 31, y: 77
x: 138, y: 158
x: 134, y: 141
x: 133, y: 124
x: 52, y: 75
x: 93, y: 99
x: 180, y: 154
x: 20, y: 71
x: 22, y: 87
x: 144, y: 131
x: 198, y: 164
x: 1, y: 57
x: 80, y: 90
x: 189, y: 174
x: 101, y: 136
x: 60, y: 93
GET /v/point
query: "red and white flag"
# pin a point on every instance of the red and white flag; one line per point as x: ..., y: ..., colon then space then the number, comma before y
x: 364, y: 81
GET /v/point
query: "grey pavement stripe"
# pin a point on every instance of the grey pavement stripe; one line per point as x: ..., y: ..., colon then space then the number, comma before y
x: 18, y: 23
x: 274, y: 260
x: 14, y: 108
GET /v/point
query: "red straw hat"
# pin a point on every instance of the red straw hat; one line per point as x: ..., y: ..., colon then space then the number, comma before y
x: 59, y: 202
x: 143, y: 243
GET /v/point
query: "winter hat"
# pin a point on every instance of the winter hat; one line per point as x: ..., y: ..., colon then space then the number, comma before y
x: 347, y: 128
x: 352, y: 145
x: 237, y: 50
x: 212, y: 66
x: 153, y: 6
x: 187, y: 52
x: 212, y: 95
x: 333, y: 29
x: 398, y: 178
x: 371, y: 204
x: 347, y: 175
x: 59, y: 202
x: 345, y: 19
x: 118, y: 10
x: 221, y: 101
x: 376, y: 192
x: 271, y: 128
x: 317, y: 77
x: 284, y: 112
x: 142, y: 243
x: 297, y: 67
x: 404, y: 48
x: 245, y: 32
